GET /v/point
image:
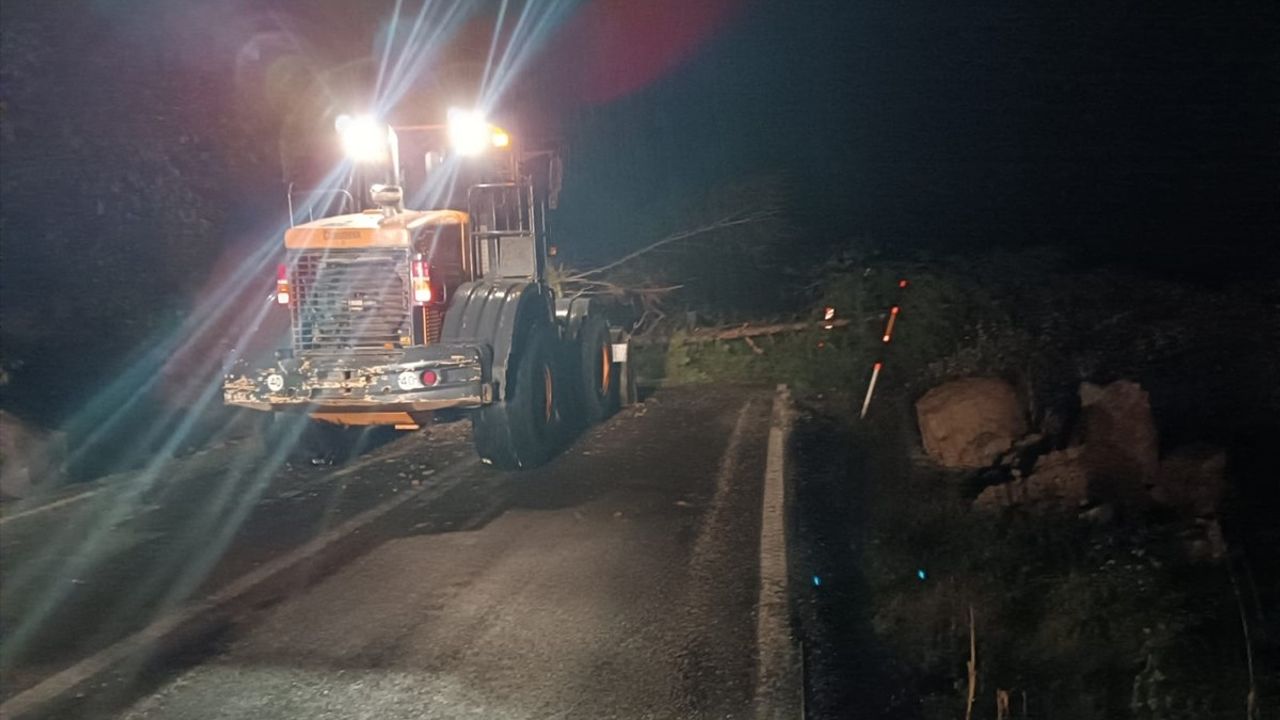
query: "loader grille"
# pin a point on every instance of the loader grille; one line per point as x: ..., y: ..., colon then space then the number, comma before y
x: 350, y: 302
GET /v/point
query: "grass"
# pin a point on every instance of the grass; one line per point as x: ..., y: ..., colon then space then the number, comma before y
x: 1088, y: 621
x: 810, y: 361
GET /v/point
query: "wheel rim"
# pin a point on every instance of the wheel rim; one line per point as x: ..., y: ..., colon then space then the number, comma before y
x: 606, y: 377
x: 548, y: 398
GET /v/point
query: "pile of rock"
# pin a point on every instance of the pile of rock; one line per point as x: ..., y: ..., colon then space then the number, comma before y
x: 1112, y: 458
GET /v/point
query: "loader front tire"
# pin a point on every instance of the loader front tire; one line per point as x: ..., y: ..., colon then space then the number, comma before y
x: 522, y: 430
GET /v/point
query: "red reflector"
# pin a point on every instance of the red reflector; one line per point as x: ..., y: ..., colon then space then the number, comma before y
x: 282, y: 284
x: 877, y: 366
x: 421, y: 276
x: 430, y: 378
x: 894, y: 310
x: 902, y: 283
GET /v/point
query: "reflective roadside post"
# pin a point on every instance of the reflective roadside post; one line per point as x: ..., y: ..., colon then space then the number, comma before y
x: 885, y: 339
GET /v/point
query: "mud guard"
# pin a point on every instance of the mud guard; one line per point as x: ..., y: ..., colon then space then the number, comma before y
x: 571, y: 312
x: 492, y: 312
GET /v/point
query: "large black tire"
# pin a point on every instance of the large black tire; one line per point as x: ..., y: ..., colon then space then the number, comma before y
x: 597, y: 375
x: 522, y: 430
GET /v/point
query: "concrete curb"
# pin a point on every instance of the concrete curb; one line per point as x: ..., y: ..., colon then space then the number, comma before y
x: 779, y: 685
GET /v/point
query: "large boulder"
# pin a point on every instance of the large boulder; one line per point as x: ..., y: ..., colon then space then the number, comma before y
x: 1192, y: 480
x: 969, y: 423
x: 30, y: 457
x: 1121, y: 445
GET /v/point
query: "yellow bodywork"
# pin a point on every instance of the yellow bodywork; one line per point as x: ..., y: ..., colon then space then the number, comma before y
x: 368, y: 229
x: 399, y: 419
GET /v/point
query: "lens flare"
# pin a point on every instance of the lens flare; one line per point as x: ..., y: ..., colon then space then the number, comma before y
x: 364, y: 139
x: 469, y: 132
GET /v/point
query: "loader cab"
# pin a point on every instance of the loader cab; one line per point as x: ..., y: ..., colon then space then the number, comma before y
x: 505, y: 188
x: 507, y: 220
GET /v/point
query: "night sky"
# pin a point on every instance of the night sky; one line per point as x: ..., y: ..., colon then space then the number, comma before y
x: 1141, y: 133
x: 1144, y: 134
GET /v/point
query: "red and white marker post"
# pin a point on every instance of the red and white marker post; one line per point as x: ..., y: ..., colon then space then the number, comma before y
x: 885, y: 339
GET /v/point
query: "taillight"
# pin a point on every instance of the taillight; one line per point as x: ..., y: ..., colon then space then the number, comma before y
x: 282, y: 284
x: 421, y: 275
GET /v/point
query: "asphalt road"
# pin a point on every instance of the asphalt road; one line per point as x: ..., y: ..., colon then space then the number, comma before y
x: 621, y: 580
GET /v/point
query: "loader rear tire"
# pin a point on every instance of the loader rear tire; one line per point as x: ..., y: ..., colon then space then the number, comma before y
x: 522, y: 431
x: 597, y: 375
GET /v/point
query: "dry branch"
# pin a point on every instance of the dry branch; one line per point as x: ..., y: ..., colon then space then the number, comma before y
x: 721, y: 224
x: 747, y: 331
x: 645, y: 295
x: 1002, y: 705
x: 973, y: 667
x: 1251, y: 699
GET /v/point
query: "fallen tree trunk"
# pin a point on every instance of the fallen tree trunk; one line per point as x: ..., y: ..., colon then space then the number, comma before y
x: 743, y: 331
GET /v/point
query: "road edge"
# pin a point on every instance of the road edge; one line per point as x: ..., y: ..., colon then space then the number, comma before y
x: 778, y: 682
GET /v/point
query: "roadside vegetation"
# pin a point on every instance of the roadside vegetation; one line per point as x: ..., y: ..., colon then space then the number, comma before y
x: 1075, y: 614
x: 1073, y: 618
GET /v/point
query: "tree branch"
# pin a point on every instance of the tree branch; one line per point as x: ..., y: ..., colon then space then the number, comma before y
x: 726, y: 222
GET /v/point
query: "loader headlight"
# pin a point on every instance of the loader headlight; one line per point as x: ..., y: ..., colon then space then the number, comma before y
x: 471, y: 134
x: 364, y: 139
x: 275, y: 382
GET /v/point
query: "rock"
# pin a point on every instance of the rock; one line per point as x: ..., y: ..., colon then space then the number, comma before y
x: 1116, y: 463
x: 1103, y: 514
x: 1029, y: 442
x: 1059, y: 481
x: 998, y: 497
x: 1057, y: 424
x: 31, y: 458
x: 1121, y: 445
x: 1022, y: 450
x: 1205, y: 543
x: 1020, y: 460
x: 968, y: 423
x: 1192, y: 479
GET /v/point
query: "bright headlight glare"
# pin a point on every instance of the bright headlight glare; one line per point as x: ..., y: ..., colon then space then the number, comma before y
x: 469, y: 132
x: 364, y: 139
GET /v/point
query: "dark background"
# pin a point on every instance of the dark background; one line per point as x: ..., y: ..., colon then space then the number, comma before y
x: 143, y: 140
x: 1144, y: 133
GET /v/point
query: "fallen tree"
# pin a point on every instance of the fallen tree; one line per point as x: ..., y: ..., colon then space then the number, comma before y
x: 620, y: 278
x: 743, y: 331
